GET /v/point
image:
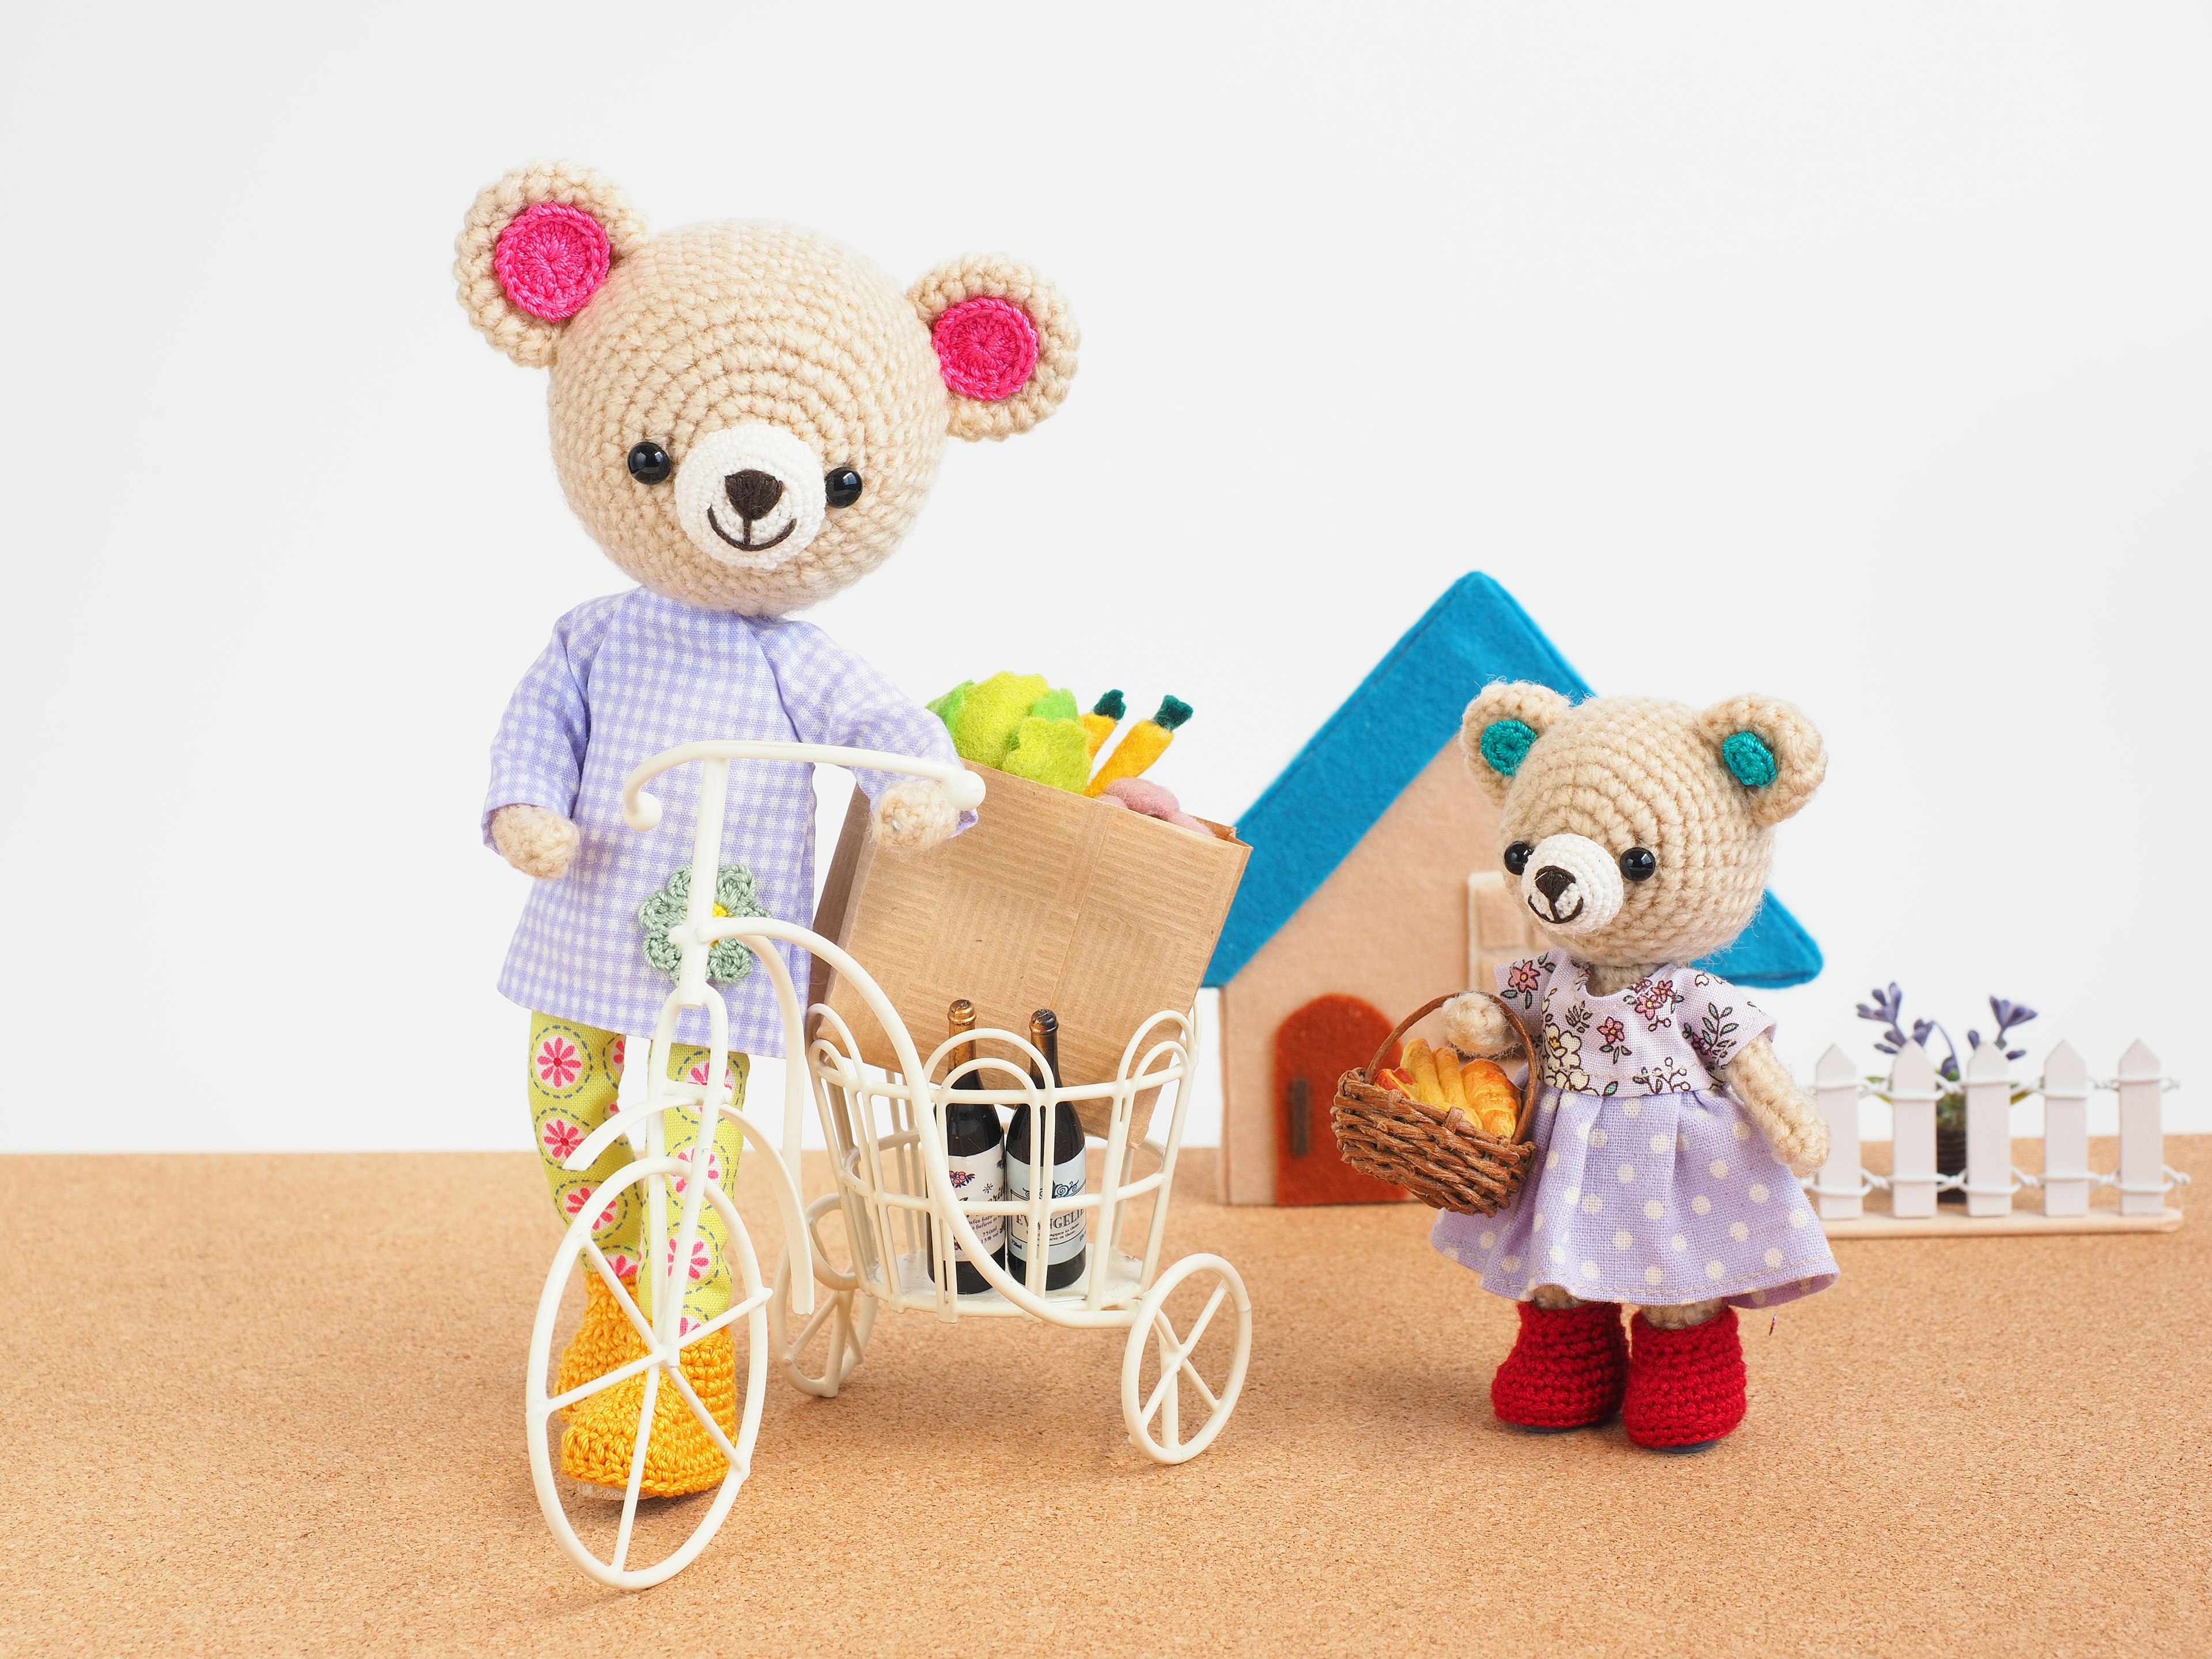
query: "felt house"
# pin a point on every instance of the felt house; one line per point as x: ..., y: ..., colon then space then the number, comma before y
x: 1374, y: 886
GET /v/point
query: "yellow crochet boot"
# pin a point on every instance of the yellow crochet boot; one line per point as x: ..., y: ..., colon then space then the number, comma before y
x: 605, y: 1340
x: 679, y: 1458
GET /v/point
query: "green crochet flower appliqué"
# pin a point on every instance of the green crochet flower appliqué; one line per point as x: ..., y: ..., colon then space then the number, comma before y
x: 733, y: 896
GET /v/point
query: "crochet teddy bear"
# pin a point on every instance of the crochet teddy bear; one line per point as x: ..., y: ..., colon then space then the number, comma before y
x: 746, y: 418
x: 1641, y: 833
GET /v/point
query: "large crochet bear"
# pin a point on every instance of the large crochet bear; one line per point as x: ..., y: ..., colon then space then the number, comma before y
x: 1641, y: 833
x: 746, y: 418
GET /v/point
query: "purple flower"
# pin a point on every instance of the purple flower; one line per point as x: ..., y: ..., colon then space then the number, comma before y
x: 1887, y: 1010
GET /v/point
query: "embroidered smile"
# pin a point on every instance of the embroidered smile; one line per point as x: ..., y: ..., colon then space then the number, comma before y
x: 1554, y: 917
x: 748, y: 546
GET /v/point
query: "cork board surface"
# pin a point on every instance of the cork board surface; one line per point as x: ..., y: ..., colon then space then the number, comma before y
x: 269, y: 1405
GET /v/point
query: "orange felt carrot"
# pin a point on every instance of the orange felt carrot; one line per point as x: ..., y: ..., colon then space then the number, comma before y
x: 1147, y: 740
x: 1105, y: 714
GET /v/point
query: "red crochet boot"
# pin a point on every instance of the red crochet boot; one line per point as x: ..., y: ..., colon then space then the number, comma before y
x: 1566, y: 1371
x: 1685, y: 1387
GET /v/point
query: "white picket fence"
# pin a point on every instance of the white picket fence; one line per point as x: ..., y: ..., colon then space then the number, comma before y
x: 1991, y: 1179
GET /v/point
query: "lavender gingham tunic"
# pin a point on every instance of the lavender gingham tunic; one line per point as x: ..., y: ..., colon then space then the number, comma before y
x: 624, y: 678
x: 1651, y: 1184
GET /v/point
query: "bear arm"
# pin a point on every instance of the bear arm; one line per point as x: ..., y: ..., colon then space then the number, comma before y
x: 535, y: 840
x: 1792, y: 1125
x: 1474, y: 1024
x: 913, y: 815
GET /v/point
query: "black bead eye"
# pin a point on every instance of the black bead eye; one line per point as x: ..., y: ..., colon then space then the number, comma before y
x: 841, y: 486
x: 1638, y: 864
x: 649, y: 463
x: 1517, y: 857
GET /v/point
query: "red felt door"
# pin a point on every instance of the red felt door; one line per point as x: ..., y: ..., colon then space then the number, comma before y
x: 1317, y: 1044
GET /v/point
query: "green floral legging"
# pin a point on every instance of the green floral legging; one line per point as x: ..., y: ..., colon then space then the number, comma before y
x: 575, y: 1073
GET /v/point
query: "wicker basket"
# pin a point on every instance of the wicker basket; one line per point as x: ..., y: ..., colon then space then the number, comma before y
x: 1438, y: 1155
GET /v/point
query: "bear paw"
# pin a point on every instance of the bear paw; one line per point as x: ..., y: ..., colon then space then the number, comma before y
x: 1806, y: 1149
x: 1474, y: 1024
x: 535, y: 840
x: 914, y: 816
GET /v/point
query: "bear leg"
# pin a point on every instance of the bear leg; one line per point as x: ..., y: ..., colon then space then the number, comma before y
x: 1685, y: 1381
x: 1567, y: 1370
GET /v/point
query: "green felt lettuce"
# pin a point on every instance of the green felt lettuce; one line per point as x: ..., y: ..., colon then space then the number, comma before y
x: 986, y: 719
x: 1051, y: 751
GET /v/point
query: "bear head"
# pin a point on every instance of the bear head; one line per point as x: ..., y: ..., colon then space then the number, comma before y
x: 746, y: 416
x: 1641, y: 831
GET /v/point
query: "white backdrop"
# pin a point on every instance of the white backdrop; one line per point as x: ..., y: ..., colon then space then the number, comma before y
x: 1857, y: 354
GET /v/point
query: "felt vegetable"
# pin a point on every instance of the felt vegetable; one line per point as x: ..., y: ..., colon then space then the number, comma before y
x: 986, y: 719
x: 1146, y: 741
x: 1105, y: 714
x: 1153, y: 800
x: 1058, y: 704
x: 989, y: 712
x: 947, y: 707
x: 1049, y: 752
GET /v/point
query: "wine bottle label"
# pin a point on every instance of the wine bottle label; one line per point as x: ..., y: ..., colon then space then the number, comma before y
x: 980, y: 1178
x: 1064, y: 1235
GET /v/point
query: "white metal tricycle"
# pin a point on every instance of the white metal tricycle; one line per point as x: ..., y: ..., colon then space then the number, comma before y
x: 902, y: 1219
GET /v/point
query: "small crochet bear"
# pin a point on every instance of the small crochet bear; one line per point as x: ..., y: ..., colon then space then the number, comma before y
x: 746, y: 418
x: 1641, y: 834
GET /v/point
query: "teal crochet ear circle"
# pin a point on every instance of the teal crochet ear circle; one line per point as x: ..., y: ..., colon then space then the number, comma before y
x: 1505, y: 744
x: 1749, y: 759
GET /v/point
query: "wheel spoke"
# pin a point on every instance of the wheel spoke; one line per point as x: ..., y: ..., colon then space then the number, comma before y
x: 1212, y: 1304
x: 622, y: 1299
x: 636, y: 1471
x: 723, y: 1321
x: 600, y: 1384
x: 1199, y: 1382
x: 1168, y: 1371
x: 823, y: 1309
x: 1175, y: 1356
x: 706, y: 1418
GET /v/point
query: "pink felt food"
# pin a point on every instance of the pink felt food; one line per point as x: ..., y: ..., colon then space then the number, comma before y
x: 986, y: 348
x: 1154, y: 801
x: 551, y: 258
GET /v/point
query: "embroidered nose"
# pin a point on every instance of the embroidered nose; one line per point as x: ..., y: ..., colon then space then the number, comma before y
x: 1551, y: 881
x: 753, y: 493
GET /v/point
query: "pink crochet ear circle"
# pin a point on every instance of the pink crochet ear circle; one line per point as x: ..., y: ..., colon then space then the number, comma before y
x: 551, y: 258
x: 986, y: 348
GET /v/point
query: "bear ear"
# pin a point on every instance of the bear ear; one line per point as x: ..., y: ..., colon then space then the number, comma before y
x: 534, y: 248
x: 1501, y: 726
x: 1770, y: 752
x: 1006, y: 344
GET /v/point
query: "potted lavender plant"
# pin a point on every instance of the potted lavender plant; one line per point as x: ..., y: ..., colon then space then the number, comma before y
x: 1951, y: 1104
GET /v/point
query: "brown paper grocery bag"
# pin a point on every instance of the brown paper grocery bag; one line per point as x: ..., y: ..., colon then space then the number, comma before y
x: 1051, y: 901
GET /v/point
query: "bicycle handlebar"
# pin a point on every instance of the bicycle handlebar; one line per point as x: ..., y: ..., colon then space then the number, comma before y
x: 642, y: 811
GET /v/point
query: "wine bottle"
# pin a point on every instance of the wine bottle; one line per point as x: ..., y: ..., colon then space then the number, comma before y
x: 974, y: 1152
x: 1064, y: 1238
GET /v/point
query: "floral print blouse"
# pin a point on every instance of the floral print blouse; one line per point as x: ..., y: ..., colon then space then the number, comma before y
x: 1670, y: 1033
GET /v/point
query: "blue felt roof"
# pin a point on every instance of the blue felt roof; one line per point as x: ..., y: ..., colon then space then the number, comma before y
x: 1367, y: 752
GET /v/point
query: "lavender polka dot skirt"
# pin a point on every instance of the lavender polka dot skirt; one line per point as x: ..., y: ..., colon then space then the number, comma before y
x: 1654, y: 1200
